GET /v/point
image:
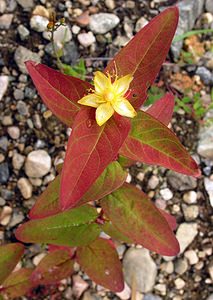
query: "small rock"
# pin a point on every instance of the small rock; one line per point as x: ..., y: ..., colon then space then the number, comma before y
x: 2, y: 201
x: 125, y: 294
x: 181, y: 266
x: 141, y: 22
x: 161, y: 288
x: 62, y: 35
x: 2, y: 6
x: 39, y: 23
x: 86, y: 39
x: 79, y: 286
x: 186, y: 233
x: 179, y: 283
x: 22, y: 108
x: 18, y: 161
x: 138, y: 264
x: 208, y: 183
x: 18, y: 94
x: 192, y: 257
x: 25, y: 187
x: 14, y: 132
x: 166, y: 194
x: 210, y: 269
x: 209, y: 6
x: 22, y: 54
x: 151, y: 297
x: 26, y: 4
x: 70, y: 54
x: 190, y: 197
x: 101, y: 23
x: 180, y: 182
x: 4, y: 172
x: 190, y: 212
x: 11, y: 5
x: 205, y: 143
x: 7, y: 121
x: 17, y: 218
x: 38, y: 258
x: 4, y: 81
x: 4, y: 143
x: 211, y: 296
x: 5, y: 215
x: 38, y: 163
x: 168, y: 267
x: 110, y: 4
x: 153, y: 182
x: 36, y: 181
x: 5, y: 21
x: 83, y: 19
x: 40, y: 10
x: 205, y: 75
x: 23, y: 32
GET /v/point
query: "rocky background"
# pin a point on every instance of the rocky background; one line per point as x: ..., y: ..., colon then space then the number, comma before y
x: 32, y: 141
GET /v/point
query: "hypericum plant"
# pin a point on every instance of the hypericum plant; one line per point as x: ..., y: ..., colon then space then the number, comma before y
x: 89, y: 195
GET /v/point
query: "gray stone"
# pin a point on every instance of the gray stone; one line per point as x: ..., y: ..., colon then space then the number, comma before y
x: 186, y: 233
x: 71, y: 54
x: 25, y: 187
x: 86, y: 39
x: 209, y: 6
x: 4, y: 81
x: 18, y: 94
x: 180, y: 182
x: 151, y: 297
x: 23, y: 54
x: 39, y: 23
x: 181, y: 266
x: 141, y: 22
x: 22, y: 108
x: 209, y: 188
x: 11, y: 5
x: 5, y: 21
x: 38, y: 163
x: 103, y: 22
x: 205, y: 75
x: 139, y: 268
x: 17, y: 218
x: 205, y: 143
x: 26, y: 4
x: 23, y: 32
x: 4, y: 143
x: 4, y: 172
x: 210, y: 297
x: 189, y: 11
x: 190, y: 212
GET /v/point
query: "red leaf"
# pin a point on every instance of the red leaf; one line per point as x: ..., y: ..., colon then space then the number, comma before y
x: 58, y: 91
x: 169, y: 218
x: 54, y: 267
x: 162, y: 109
x: 145, y: 53
x: 10, y: 255
x: 90, y: 149
x: 48, y: 203
x: 17, y: 284
x: 134, y: 215
x: 151, y: 142
x: 101, y: 263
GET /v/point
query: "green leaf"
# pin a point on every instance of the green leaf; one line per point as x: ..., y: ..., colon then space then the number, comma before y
x: 75, y: 227
x: 134, y: 215
x: 10, y: 255
x: 190, y: 33
x: 114, y: 233
x: 100, y: 261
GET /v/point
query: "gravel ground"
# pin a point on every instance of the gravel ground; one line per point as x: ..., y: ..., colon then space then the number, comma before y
x: 29, y: 134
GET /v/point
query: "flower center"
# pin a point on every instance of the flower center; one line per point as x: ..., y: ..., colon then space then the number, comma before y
x: 108, y: 96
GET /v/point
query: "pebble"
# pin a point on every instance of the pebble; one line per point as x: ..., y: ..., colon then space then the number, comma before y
x: 208, y: 184
x: 190, y: 197
x: 4, y: 143
x: 2, y: 201
x: 18, y: 94
x: 153, y: 182
x: 181, y: 266
x: 186, y: 233
x: 151, y: 297
x: 17, y: 218
x: 125, y: 294
x: 210, y: 269
x: 62, y: 35
x: 23, y: 54
x: 110, y: 4
x: 210, y: 297
x: 138, y: 264
x: 37, y: 164
x: 5, y: 21
x: 101, y: 23
x: 25, y: 187
x: 5, y: 215
x: 209, y: 6
x: 86, y: 39
x: 39, y: 23
x: 192, y: 257
x: 205, y: 142
x: 161, y: 288
x: 18, y: 161
x: 26, y: 4
x: 166, y: 194
x: 22, y: 108
x: 38, y: 258
x: 2, y: 6
x: 205, y: 75
x: 179, y: 283
x: 168, y: 267
x: 14, y: 132
x: 4, y: 81
x: 4, y: 172
x: 79, y: 286
x: 190, y: 212
x: 23, y: 32
x: 180, y: 182
x: 141, y: 22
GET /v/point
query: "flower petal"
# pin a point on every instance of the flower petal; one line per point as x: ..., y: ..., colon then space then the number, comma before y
x: 124, y: 108
x: 103, y: 113
x: 90, y: 100
x: 101, y: 82
x: 121, y: 85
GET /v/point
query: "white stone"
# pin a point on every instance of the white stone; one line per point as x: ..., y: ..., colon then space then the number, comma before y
x: 86, y: 39
x: 125, y: 294
x: 14, y: 132
x: 39, y: 23
x: 190, y: 212
x: 101, y: 23
x: 192, y: 257
x: 38, y: 163
x: 25, y: 188
x: 153, y: 182
x: 208, y: 183
x: 4, y: 81
x: 18, y: 161
x: 190, y: 197
x: 166, y: 194
x: 179, y: 283
x: 5, y: 215
x: 62, y: 35
x: 185, y: 234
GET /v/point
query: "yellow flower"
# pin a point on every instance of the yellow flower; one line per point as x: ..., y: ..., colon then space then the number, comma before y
x: 109, y: 97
